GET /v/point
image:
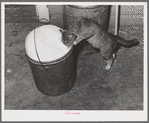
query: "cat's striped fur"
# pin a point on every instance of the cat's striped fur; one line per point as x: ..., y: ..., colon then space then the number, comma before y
x: 93, y: 33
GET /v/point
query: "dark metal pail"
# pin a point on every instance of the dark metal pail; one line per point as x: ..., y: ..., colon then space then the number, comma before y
x: 55, y: 77
x: 99, y: 13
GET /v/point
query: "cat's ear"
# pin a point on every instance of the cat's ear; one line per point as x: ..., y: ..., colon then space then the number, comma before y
x: 61, y: 30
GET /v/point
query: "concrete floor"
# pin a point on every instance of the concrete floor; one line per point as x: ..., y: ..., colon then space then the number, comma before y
x: 120, y: 88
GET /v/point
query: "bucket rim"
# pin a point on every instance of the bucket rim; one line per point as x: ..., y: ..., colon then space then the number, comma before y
x: 84, y: 7
x: 55, y: 61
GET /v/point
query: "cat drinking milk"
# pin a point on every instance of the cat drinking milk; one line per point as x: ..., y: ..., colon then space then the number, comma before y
x: 93, y: 33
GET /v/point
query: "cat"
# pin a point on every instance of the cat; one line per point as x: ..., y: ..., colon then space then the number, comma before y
x: 96, y: 36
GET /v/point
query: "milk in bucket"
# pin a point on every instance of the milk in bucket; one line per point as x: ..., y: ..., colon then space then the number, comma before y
x: 48, y: 43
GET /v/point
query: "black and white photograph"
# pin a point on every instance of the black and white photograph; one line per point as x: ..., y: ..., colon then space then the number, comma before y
x: 74, y: 61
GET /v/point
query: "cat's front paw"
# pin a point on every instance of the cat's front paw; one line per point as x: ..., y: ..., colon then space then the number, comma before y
x: 108, y: 67
x: 75, y: 43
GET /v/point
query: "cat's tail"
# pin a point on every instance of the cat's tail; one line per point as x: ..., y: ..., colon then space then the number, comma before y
x: 127, y: 42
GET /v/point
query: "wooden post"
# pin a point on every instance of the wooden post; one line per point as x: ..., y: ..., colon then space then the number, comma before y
x: 42, y: 13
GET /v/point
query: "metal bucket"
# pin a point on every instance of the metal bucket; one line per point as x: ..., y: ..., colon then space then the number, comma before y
x: 99, y: 13
x: 55, y: 77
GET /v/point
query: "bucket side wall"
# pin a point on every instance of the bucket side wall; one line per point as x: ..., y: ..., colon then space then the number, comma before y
x: 55, y: 79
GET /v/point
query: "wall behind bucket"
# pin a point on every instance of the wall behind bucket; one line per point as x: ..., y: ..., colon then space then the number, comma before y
x: 56, y: 15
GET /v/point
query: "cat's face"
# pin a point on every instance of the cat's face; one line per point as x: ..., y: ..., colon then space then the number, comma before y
x: 67, y: 38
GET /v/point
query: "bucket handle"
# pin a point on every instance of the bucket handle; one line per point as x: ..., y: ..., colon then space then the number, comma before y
x: 36, y: 50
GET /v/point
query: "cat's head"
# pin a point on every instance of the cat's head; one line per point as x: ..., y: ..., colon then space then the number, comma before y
x: 68, y: 38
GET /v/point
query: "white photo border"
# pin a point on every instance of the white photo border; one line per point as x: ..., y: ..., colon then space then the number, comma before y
x: 86, y: 115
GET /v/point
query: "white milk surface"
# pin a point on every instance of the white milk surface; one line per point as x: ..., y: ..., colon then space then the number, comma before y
x: 48, y: 42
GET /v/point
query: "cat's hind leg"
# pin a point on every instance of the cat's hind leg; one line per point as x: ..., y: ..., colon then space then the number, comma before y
x: 110, y: 62
x: 109, y: 56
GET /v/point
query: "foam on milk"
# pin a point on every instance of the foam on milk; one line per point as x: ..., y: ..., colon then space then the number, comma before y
x: 48, y: 43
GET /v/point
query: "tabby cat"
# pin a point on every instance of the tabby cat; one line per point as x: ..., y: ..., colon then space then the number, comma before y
x: 93, y: 33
